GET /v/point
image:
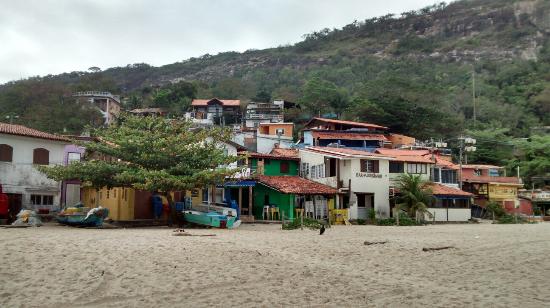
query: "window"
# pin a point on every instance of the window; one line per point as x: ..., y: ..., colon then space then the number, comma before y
x: 370, y: 166
x: 205, y: 194
x: 477, y: 172
x: 280, y: 131
x: 72, y: 157
x: 417, y: 168
x: 397, y: 167
x: 6, y: 153
x: 266, y: 161
x: 449, y: 176
x: 435, y: 174
x: 284, y: 167
x: 494, y: 172
x: 42, y: 199
x: 305, y: 170
x: 108, y: 191
x: 41, y: 156
x: 330, y: 166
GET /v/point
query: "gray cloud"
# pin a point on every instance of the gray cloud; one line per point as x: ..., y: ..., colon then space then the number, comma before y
x: 39, y: 37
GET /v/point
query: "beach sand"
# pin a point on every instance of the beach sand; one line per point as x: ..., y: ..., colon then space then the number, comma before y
x: 261, y: 265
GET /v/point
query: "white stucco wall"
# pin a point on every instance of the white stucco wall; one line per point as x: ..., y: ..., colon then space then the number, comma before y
x: 454, y: 215
x: 265, y: 143
x: 377, y: 184
x: 21, y: 177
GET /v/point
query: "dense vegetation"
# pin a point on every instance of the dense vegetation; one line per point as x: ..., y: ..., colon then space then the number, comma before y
x: 413, y: 73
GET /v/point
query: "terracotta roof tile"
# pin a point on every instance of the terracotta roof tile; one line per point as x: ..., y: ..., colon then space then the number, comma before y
x: 481, y: 167
x: 296, y: 185
x: 491, y: 179
x: 225, y: 102
x: 20, y: 130
x: 285, y: 152
x: 345, y: 152
x: 273, y: 156
x: 395, y: 152
x: 443, y: 190
x: 347, y: 135
x: 409, y: 156
x: 350, y: 123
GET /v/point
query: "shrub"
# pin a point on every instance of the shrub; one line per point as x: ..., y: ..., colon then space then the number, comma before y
x: 372, y: 215
x: 404, y: 220
x: 495, y: 209
x: 511, y: 219
x: 308, y: 223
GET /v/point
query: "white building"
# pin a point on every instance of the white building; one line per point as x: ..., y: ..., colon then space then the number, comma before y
x: 21, y: 150
x: 107, y: 103
x: 361, y: 177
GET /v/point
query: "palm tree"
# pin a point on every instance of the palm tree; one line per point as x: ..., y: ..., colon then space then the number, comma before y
x: 414, y: 194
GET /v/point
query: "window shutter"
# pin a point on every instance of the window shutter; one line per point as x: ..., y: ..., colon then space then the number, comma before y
x: 375, y: 167
x: 6, y: 153
x: 363, y: 164
x: 41, y: 156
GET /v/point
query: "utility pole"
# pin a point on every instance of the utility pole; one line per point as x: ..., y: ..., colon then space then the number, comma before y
x: 466, y: 145
x: 474, y: 93
x: 461, y: 148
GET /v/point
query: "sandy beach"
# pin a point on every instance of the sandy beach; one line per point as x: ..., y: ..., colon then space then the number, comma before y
x: 261, y: 265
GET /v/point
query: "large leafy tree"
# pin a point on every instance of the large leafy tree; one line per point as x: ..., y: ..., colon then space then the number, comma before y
x: 533, y: 157
x: 151, y: 153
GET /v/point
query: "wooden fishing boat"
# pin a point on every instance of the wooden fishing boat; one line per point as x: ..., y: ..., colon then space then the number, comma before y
x: 93, y: 218
x: 211, y: 219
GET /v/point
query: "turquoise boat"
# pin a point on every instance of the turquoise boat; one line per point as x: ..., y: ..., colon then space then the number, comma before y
x: 211, y: 219
x: 94, y: 218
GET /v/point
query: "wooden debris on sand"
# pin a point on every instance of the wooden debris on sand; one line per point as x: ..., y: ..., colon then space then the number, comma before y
x: 374, y: 243
x: 437, y: 248
x: 181, y: 232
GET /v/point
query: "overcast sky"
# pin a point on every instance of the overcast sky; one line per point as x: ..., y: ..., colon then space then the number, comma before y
x: 40, y: 37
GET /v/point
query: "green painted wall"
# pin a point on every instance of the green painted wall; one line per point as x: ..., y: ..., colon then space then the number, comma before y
x: 285, y: 202
x: 274, y: 166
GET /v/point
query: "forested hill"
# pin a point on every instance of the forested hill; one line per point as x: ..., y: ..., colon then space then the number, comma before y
x: 411, y: 72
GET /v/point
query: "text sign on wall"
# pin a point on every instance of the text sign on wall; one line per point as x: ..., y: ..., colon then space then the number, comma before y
x: 368, y: 175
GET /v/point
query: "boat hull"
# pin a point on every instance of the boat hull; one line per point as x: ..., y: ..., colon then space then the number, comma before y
x: 80, y: 220
x: 211, y: 219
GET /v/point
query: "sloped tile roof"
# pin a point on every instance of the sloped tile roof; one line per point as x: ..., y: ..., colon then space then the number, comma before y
x: 443, y: 190
x: 491, y: 179
x: 296, y: 185
x: 345, y: 152
x: 347, y: 135
x: 395, y: 152
x: 273, y: 156
x: 285, y: 152
x: 350, y: 123
x: 409, y: 156
x: 225, y: 102
x: 481, y: 167
x: 20, y: 130
x: 445, y: 163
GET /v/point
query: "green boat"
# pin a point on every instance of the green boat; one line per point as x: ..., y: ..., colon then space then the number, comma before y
x: 211, y: 219
x: 93, y: 218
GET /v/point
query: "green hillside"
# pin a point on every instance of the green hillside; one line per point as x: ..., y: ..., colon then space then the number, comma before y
x: 411, y: 72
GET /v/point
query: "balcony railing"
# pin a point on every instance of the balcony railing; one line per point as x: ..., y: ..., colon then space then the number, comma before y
x: 261, y: 116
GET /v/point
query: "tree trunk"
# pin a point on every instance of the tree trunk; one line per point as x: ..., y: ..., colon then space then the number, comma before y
x: 172, y: 214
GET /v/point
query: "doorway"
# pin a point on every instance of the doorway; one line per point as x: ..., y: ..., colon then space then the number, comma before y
x: 365, y: 202
x: 15, y: 204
